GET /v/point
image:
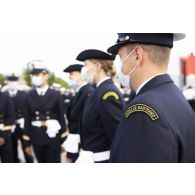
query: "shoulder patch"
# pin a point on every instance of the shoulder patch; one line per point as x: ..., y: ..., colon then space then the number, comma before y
x: 142, y: 108
x: 109, y: 94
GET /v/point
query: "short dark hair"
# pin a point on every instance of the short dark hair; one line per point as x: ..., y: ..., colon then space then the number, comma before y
x: 156, y: 54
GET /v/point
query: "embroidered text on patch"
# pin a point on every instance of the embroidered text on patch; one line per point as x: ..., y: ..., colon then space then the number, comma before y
x: 142, y: 108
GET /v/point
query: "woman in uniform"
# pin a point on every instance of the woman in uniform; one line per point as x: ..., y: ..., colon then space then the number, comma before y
x: 75, y: 110
x: 103, y: 109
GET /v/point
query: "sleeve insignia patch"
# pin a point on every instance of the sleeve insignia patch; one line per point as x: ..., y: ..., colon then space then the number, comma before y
x: 142, y: 108
x: 109, y: 94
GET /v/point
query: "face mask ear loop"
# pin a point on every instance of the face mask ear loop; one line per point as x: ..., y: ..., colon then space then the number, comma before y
x: 132, y: 71
x: 123, y: 60
x: 126, y: 59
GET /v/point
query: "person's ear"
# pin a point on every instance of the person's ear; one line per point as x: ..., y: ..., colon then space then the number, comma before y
x: 99, y: 67
x: 139, y: 55
x: 46, y: 76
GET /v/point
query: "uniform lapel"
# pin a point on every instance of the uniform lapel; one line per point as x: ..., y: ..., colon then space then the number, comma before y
x: 35, y: 95
x: 46, y: 97
x: 40, y: 100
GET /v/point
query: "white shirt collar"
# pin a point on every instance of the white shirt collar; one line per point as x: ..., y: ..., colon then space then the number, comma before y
x: 145, y: 82
x: 43, y: 90
x: 100, y: 82
x: 85, y: 83
x: 12, y: 92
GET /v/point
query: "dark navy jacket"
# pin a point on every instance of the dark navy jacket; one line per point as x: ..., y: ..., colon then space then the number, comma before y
x: 101, y: 116
x: 67, y: 98
x: 158, y: 126
x: 42, y: 108
x: 75, y: 109
x: 19, y: 103
x: 7, y: 113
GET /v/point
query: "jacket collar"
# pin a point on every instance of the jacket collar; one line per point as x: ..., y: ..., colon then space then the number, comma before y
x: 154, y: 82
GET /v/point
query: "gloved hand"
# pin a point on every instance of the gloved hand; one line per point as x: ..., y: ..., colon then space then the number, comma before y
x: 21, y: 123
x: 1, y: 126
x: 72, y: 143
x: 13, y: 128
x: 53, y: 127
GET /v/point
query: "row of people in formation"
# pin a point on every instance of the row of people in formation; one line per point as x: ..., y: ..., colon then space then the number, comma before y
x: 157, y: 125
x: 64, y: 112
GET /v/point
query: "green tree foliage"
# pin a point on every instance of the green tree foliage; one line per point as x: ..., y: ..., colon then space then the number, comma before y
x: 2, y: 80
x: 61, y: 82
x: 26, y: 76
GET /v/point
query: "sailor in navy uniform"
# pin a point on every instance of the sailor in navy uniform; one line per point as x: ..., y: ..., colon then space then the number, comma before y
x: 158, y: 126
x: 67, y: 97
x: 75, y: 110
x: 45, y: 126
x: 7, y: 120
x: 103, y: 109
x: 18, y: 98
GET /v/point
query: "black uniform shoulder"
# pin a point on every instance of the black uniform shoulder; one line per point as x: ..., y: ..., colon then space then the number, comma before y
x: 22, y: 92
x: 1, y: 93
x: 4, y: 94
x: 30, y: 92
x: 89, y: 87
x: 87, y: 90
x: 54, y: 92
x: 107, y: 90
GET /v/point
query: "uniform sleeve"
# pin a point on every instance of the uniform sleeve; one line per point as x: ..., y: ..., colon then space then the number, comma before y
x: 110, y: 109
x: 27, y: 123
x: 77, y: 111
x: 61, y: 118
x: 10, y: 114
x: 142, y: 140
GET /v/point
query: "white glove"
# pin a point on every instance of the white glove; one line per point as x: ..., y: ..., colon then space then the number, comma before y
x: 13, y: 128
x: 1, y: 126
x: 53, y: 127
x: 21, y: 123
x: 85, y: 157
x: 71, y: 144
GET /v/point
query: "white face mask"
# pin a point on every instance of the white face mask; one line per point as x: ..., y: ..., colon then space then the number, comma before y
x: 13, y: 85
x: 86, y: 75
x: 37, y: 81
x: 123, y: 78
x: 73, y: 84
